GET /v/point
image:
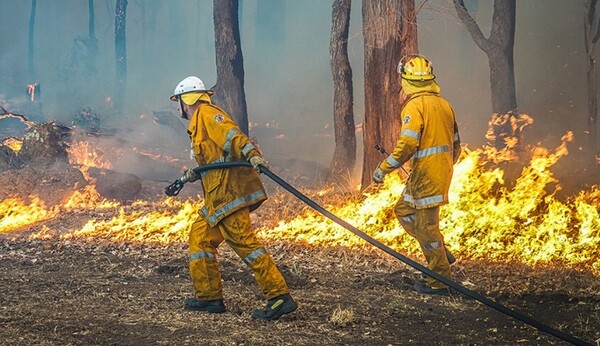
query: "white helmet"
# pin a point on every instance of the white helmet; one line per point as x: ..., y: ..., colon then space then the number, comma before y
x: 189, y: 84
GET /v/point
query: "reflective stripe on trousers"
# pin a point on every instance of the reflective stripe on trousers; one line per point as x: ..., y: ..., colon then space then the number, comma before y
x: 202, y: 254
x: 231, y: 206
x: 423, y: 225
x: 254, y: 255
x: 237, y: 232
x: 419, y: 202
x: 432, y: 246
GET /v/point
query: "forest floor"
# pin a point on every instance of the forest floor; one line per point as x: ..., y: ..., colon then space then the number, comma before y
x: 97, y: 292
x: 76, y: 292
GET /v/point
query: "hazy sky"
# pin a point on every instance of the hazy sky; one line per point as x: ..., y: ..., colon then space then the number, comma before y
x: 286, y: 59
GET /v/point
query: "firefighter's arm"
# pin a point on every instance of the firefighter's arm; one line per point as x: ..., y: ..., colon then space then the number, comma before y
x: 410, y: 136
x: 405, y: 148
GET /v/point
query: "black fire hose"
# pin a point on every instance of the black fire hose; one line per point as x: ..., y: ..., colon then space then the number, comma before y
x: 178, y: 185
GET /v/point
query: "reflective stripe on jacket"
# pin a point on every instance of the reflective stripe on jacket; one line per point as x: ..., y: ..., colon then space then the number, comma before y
x: 429, y: 138
x: 216, y: 138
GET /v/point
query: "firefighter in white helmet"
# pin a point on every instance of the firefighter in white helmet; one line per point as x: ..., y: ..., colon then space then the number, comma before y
x: 229, y: 197
x: 429, y: 138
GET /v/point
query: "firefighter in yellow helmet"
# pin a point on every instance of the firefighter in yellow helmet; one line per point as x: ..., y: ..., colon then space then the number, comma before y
x: 229, y: 197
x: 429, y: 139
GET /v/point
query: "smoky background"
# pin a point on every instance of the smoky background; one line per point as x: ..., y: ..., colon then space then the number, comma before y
x: 288, y: 83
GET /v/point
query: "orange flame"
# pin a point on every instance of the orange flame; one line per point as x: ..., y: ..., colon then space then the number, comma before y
x: 13, y: 143
x: 16, y: 213
x: 485, y: 217
x: 86, y: 156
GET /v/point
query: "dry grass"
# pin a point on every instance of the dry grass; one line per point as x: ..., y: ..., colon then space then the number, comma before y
x: 342, y: 317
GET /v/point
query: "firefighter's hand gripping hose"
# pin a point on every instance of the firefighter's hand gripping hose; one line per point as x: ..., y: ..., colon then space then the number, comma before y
x: 175, y: 188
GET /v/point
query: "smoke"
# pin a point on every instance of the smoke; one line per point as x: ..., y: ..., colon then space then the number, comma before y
x: 549, y: 59
x: 285, y: 46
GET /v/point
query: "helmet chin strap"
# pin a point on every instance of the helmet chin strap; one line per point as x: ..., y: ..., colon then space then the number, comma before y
x: 184, y: 114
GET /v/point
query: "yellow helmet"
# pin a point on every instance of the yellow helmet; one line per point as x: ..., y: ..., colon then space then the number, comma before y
x: 417, y: 68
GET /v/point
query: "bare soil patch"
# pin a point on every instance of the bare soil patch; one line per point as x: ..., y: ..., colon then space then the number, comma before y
x: 90, y: 293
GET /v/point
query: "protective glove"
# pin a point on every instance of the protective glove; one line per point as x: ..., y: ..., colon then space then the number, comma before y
x: 379, y: 175
x: 189, y: 176
x: 257, y: 161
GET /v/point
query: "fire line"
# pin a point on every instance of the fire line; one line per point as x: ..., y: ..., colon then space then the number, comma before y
x: 510, y: 312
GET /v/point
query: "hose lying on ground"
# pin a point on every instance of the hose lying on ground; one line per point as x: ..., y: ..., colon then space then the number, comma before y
x: 174, y: 189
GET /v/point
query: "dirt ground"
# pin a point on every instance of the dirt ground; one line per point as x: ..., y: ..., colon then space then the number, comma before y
x: 78, y: 292
x: 91, y: 293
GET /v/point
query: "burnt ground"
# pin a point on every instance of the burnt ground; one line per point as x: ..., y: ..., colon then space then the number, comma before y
x: 96, y: 292
x: 99, y: 293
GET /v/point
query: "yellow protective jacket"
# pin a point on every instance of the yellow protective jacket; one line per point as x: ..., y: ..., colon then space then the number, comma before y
x: 429, y: 137
x: 215, y: 137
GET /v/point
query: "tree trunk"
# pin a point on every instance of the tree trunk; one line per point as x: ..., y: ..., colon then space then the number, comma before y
x: 592, y: 121
x: 229, y: 91
x: 389, y: 30
x: 92, y: 41
x: 499, y: 49
x: 591, y: 36
x: 31, y: 66
x: 344, y: 154
x: 120, y: 53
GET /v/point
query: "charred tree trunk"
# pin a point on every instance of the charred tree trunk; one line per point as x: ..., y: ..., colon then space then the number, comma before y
x: 31, y: 66
x: 120, y: 52
x: 344, y: 154
x: 390, y: 32
x: 229, y: 91
x: 591, y: 25
x: 499, y: 49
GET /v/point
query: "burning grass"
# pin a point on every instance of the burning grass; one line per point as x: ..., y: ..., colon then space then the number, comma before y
x: 16, y: 213
x: 487, y: 217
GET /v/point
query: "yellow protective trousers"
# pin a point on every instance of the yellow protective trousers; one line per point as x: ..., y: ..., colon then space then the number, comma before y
x: 236, y: 230
x: 424, y: 225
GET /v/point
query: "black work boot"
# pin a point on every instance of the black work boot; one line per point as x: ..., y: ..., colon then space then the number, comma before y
x: 426, y: 289
x: 276, y: 307
x: 213, y: 306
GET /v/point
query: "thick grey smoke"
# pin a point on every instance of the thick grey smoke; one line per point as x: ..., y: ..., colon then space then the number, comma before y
x: 550, y: 66
x: 286, y: 54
